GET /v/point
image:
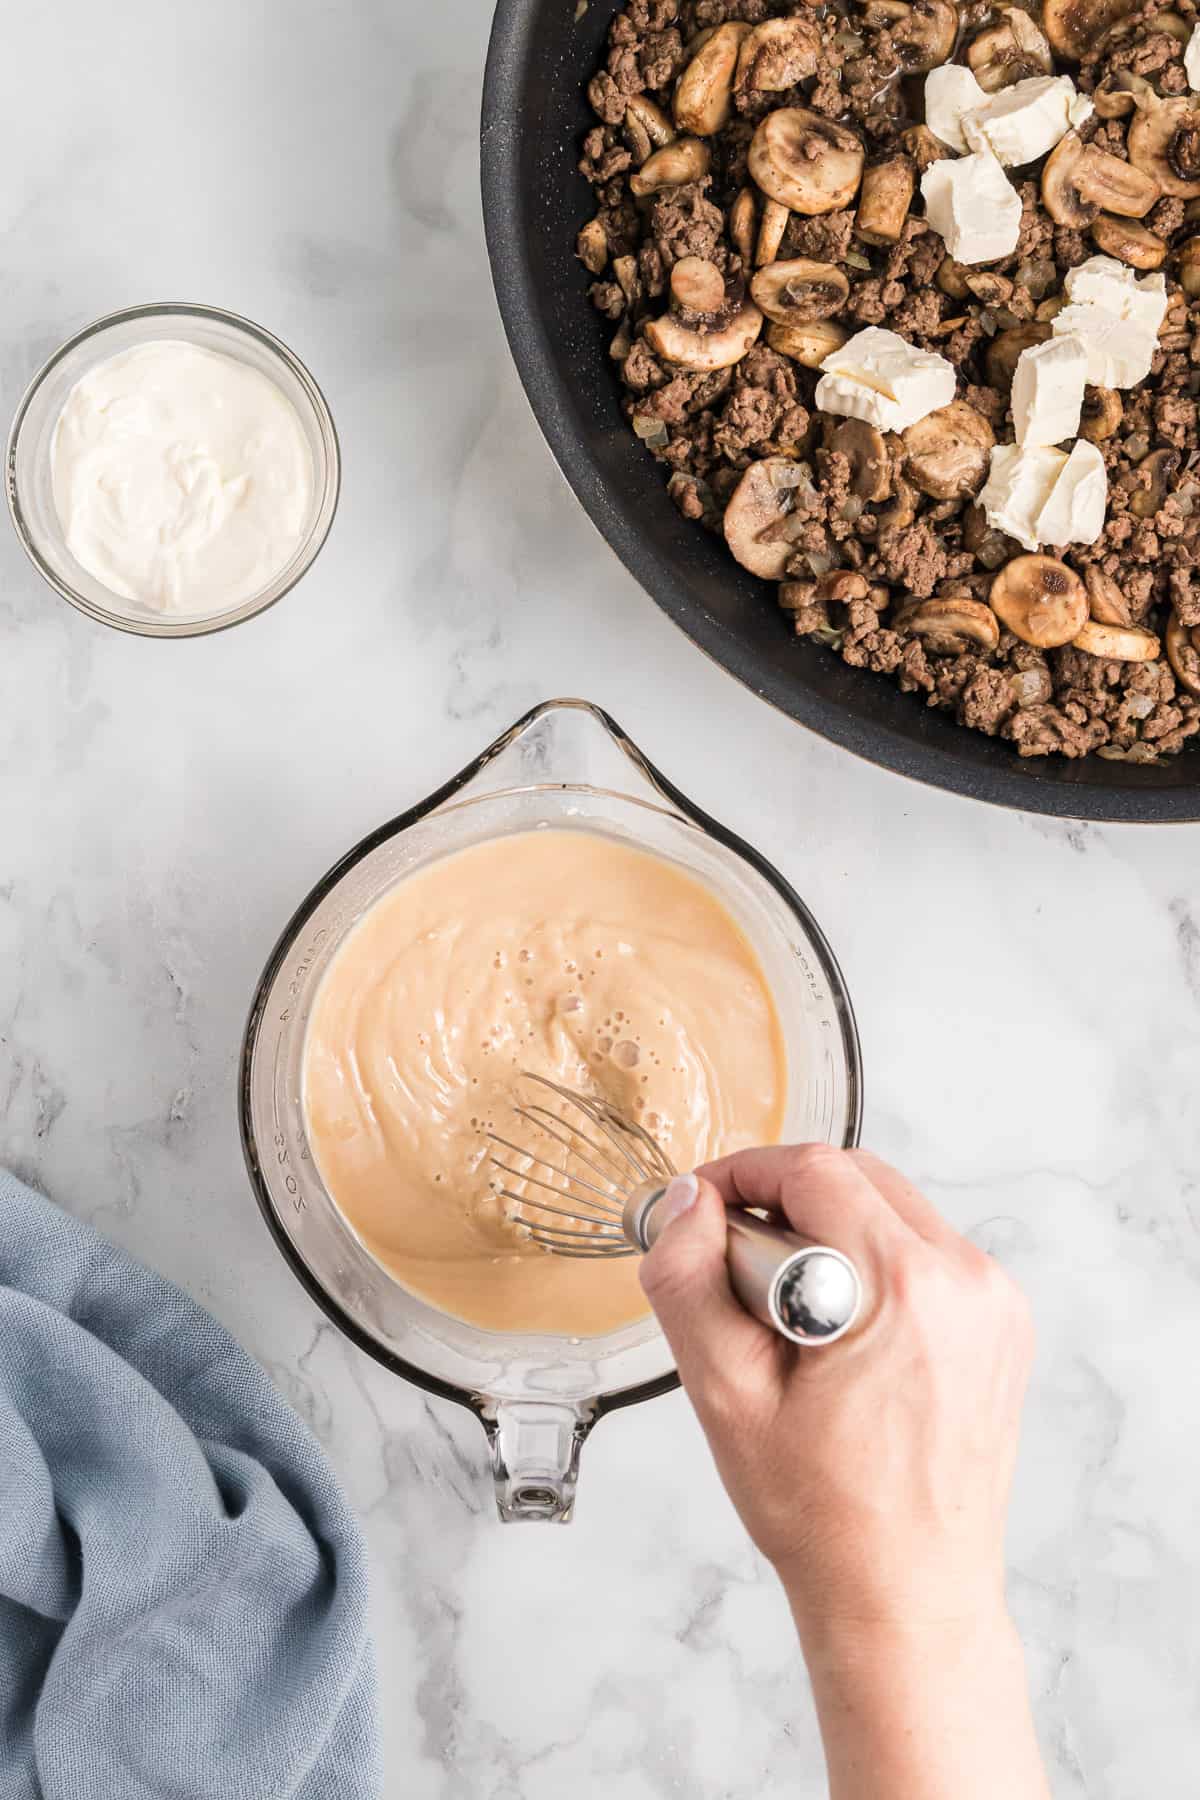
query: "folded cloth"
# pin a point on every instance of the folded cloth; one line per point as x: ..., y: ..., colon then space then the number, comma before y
x: 182, y: 1587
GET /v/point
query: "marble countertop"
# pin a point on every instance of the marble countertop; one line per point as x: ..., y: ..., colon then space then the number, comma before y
x: 1028, y: 991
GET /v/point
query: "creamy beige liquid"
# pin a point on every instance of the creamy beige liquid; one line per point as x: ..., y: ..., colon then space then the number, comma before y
x: 562, y: 952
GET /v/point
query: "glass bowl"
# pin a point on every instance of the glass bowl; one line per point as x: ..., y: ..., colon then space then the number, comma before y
x: 565, y: 766
x: 30, y: 490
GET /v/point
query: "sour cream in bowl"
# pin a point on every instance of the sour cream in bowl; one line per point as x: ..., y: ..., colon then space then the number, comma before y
x: 173, y: 470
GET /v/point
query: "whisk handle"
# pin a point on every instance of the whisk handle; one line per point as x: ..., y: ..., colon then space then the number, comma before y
x: 807, y: 1292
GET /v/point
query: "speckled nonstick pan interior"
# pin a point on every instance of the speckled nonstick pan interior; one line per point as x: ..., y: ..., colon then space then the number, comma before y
x: 534, y: 114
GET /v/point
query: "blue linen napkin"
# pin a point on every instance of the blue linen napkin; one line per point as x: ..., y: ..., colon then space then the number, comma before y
x: 182, y: 1587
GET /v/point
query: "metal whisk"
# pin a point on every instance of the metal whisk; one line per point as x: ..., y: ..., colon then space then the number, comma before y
x: 604, y: 1193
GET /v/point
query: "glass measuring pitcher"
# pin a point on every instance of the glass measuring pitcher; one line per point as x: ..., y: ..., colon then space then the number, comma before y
x: 565, y: 766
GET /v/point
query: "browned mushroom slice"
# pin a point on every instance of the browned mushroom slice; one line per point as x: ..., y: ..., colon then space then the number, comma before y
x: 946, y: 453
x: 695, y: 347
x: 1189, y: 267
x: 1074, y: 25
x: 1106, y: 602
x: 770, y: 231
x: 1002, y: 355
x: 951, y: 277
x: 687, y: 159
x: 1101, y: 413
x: 1156, y: 474
x: 864, y: 449
x: 1164, y: 143
x: 1041, y: 600
x: 923, y: 32
x: 591, y: 247
x: 807, y: 344
x: 950, y: 624
x: 1015, y: 50
x: 778, y: 53
x: 652, y: 119
x: 1080, y: 181
x: 697, y: 287
x: 1117, y: 643
x: 743, y: 218
x: 805, y: 161
x: 760, y: 525
x: 704, y: 94
x: 1183, y: 653
x: 1120, y: 91
x: 900, y: 514
x: 799, y: 291
x: 884, y: 200
x: 1129, y: 242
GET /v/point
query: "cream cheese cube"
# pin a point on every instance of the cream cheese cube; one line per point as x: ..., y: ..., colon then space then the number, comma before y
x: 1019, y: 484
x: 1074, y: 511
x: 1191, y: 58
x: 950, y: 92
x: 1047, y: 391
x: 1119, y: 351
x: 877, y: 376
x: 974, y: 207
x: 1024, y: 121
x: 1105, y: 282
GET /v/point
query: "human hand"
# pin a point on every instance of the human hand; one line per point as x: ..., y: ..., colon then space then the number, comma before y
x: 875, y: 1473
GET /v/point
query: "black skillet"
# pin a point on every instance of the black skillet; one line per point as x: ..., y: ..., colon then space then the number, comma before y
x: 534, y: 115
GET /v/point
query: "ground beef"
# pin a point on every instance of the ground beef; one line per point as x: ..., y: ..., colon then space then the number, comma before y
x: 858, y: 518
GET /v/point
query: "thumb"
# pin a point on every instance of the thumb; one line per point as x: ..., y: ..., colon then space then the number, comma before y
x: 686, y: 1279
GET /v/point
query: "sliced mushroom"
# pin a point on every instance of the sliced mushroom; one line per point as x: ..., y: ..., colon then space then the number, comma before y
x: 704, y: 94
x: 1156, y: 473
x: 1079, y: 181
x: 946, y: 453
x: 1120, y: 91
x: 1049, y: 309
x: 986, y: 285
x: 1074, y: 25
x: 1002, y: 355
x: 1189, y: 267
x: 760, y: 526
x: 695, y: 347
x: 799, y: 291
x: 697, y: 288
x: 777, y: 54
x: 923, y: 147
x: 1164, y: 143
x: 951, y: 277
x: 900, y: 514
x: 884, y: 199
x: 652, y: 119
x: 1117, y: 643
x: 1101, y: 413
x: 1130, y: 242
x: 743, y: 216
x: 923, y: 32
x: 770, y: 231
x: 1015, y: 50
x: 950, y: 624
x: 687, y: 159
x: 1106, y: 602
x: 591, y: 247
x: 807, y: 344
x: 864, y: 449
x: 1183, y: 653
x: 625, y: 269
x: 805, y: 161
x: 1041, y: 600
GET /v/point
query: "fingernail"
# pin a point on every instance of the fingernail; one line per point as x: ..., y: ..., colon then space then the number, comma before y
x: 681, y: 1195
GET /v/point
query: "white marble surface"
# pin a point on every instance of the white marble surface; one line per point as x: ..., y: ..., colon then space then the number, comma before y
x: 1028, y: 992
